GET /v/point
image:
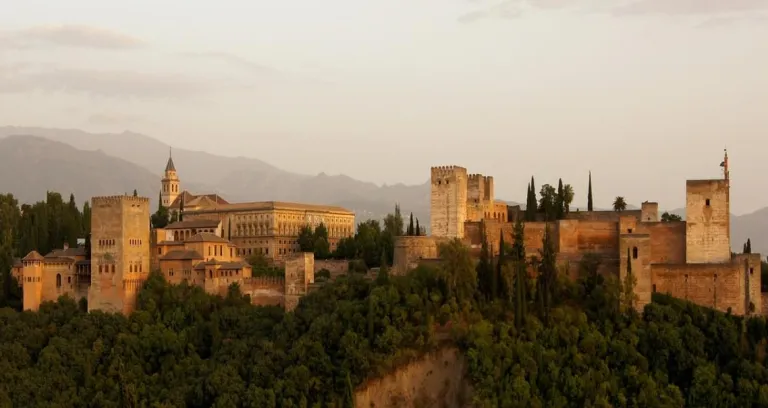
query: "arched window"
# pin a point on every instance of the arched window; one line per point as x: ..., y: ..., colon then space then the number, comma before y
x: 634, y: 252
x: 58, y: 280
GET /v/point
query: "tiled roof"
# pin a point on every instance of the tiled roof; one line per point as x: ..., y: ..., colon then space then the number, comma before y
x: 194, y: 224
x: 191, y: 200
x: 170, y: 243
x: 206, y: 237
x: 33, y: 256
x: 58, y: 259
x: 80, y: 251
x: 181, y: 255
x: 275, y: 205
x: 17, y: 262
x: 169, y: 166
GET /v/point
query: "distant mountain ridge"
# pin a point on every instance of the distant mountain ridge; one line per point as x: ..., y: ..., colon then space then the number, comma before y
x: 236, y: 179
x: 36, y: 160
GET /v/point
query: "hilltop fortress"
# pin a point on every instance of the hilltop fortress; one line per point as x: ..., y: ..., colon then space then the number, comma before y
x: 689, y: 259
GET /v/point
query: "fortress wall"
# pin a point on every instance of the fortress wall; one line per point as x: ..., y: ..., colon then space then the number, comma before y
x: 50, y: 290
x: 764, y: 303
x: 335, y: 266
x: 720, y: 286
x: 667, y: 241
x: 635, y: 252
x: 612, y: 216
x: 264, y: 290
x: 534, y: 236
x: 752, y: 280
x: 410, y: 250
x: 600, y: 237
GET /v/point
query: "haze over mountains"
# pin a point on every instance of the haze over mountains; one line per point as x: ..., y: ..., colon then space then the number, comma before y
x: 35, y: 160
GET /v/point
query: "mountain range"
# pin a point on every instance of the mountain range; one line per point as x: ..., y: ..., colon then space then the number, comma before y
x: 35, y: 160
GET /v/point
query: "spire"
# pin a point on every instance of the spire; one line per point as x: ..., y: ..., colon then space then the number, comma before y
x: 170, y: 166
x: 724, y: 164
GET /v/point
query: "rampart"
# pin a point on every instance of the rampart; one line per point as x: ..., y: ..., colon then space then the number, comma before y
x: 409, y: 251
x: 336, y: 267
x: 265, y: 290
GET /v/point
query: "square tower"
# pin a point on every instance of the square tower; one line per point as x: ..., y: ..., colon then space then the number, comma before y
x: 707, y: 229
x: 448, y: 202
x: 119, y: 252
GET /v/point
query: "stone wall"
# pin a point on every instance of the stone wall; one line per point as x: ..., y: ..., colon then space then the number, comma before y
x: 635, y: 251
x: 265, y: 290
x: 720, y: 286
x: 409, y: 251
x: 448, y: 201
x: 299, y: 273
x: 668, y: 242
x: 335, y: 266
x: 707, y: 206
x: 612, y: 216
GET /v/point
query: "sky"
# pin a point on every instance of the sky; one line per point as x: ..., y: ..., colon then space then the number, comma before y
x: 643, y: 93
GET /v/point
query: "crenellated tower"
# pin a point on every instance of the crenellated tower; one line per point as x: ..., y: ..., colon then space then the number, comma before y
x: 119, y: 252
x: 170, y: 188
x: 448, y: 203
x: 708, y: 224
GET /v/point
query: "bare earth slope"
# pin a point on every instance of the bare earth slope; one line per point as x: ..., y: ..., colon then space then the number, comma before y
x: 436, y: 380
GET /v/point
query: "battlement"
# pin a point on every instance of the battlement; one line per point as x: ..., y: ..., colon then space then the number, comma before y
x: 118, y: 199
x: 446, y: 171
x: 264, y: 282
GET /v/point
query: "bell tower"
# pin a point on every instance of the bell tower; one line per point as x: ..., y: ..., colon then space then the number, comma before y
x: 170, y: 183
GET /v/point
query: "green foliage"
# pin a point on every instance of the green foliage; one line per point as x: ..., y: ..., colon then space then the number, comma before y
x: 589, y: 193
x: 619, y: 204
x: 667, y: 217
x: 262, y: 266
x: 531, y: 205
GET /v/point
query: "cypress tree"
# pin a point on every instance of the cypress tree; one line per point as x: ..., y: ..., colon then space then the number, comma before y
x: 383, y: 276
x: 749, y: 247
x: 181, y: 209
x: 484, y: 268
x: 531, y: 205
x: 418, y: 228
x: 135, y: 193
x: 589, y: 193
x: 560, y: 200
x: 159, y: 201
x: 499, y: 273
x: 410, y: 227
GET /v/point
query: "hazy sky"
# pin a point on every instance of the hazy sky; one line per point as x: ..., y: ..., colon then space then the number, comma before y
x: 644, y: 93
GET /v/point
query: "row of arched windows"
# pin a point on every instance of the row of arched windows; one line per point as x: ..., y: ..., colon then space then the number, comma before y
x: 106, y: 242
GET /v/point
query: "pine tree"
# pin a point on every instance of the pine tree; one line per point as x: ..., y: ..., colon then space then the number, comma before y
x: 589, y: 193
x: 410, y: 227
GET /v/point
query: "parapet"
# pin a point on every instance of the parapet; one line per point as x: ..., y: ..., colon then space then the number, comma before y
x: 445, y: 171
x: 264, y: 282
x: 119, y: 199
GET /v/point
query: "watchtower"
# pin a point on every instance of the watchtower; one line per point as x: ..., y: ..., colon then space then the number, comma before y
x: 119, y: 252
x: 707, y: 211
x: 448, y: 204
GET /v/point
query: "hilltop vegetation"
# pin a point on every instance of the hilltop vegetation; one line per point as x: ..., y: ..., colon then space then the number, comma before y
x: 576, y: 345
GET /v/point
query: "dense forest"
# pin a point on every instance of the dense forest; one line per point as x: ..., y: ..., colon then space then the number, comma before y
x: 530, y: 340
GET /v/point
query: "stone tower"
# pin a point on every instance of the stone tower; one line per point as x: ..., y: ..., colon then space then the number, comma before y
x: 32, y: 275
x: 448, y: 203
x: 170, y: 183
x: 119, y: 252
x: 707, y: 206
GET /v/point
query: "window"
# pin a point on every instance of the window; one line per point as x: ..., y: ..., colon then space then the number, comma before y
x: 629, y: 230
x: 58, y: 280
x: 159, y: 251
x: 69, y: 279
x: 634, y: 253
x: 654, y: 288
x: 751, y: 271
x: 707, y: 202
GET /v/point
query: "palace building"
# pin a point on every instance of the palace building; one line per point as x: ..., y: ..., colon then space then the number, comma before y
x: 269, y: 228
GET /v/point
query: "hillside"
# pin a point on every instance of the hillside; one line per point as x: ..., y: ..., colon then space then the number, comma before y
x: 241, y: 178
x: 30, y: 166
